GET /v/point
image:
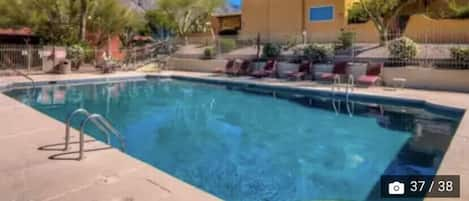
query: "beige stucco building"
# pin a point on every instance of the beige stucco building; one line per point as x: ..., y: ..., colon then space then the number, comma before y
x: 281, y: 18
x: 323, y: 20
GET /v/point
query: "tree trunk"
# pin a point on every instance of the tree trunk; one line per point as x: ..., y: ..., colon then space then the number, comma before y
x: 383, y: 36
x: 83, y: 18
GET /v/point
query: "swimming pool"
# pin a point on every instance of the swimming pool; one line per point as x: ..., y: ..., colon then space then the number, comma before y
x: 242, y: 143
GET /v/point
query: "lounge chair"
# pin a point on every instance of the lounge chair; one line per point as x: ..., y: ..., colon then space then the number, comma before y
x: 241, y: 67
x: 373, y: 74
x: 340, y: 69
x: 269, y: 70
x: 303, y: 71
x: 228, y: 68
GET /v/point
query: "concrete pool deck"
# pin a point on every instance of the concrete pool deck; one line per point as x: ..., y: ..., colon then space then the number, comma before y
x: 29, y: 138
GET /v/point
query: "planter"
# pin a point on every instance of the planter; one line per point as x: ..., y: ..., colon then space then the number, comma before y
x: 284, y: 68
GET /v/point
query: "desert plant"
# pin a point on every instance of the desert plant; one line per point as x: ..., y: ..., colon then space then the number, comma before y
x: 227, y: 45
x: 76, y: 55
x: 271, y: 50
x: 291, y: 42
x: 346, y: 39
x: 403, y: 48
x: 318, y: 53
x: 209, y: 53
x: 460, y: 55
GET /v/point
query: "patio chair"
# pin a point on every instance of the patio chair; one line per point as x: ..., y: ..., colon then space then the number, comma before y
x: 241, y: 67
x: 269, y: 70
x: 229, y: 67
x: 303, y: 71
x: 373, y: 74
x: 107, y: 65
x: 339, y: 69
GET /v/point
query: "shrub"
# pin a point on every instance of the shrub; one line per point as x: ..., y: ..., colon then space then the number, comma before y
x: 271, y: 50
x: 76, y: 55
x: 209, y: 53
x: 346, y: 39
x: 402, y: 48
x: 460, y: 56
x: 291, y: 42
x: 356, y: 14
x: 319, y: 53
x: 227, y: 45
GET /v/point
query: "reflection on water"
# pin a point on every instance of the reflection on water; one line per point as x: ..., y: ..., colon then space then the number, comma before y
x: 244, y: 146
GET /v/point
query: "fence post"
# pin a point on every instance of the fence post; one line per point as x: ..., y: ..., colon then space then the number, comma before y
x: 28, y: 54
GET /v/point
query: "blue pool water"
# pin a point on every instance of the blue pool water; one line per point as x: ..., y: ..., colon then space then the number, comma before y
x: 245, y: 145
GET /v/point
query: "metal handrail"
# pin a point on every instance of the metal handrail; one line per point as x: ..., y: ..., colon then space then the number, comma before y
x: 69, y: 120
x: 335, y: 87
x: 99, y: 121
x: 350, y: 87
x: 33, y: 83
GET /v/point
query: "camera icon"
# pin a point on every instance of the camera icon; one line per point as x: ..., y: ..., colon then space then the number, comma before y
x: 396, y: 188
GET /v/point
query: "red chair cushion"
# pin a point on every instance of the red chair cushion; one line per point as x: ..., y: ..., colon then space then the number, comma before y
x: 340, y: 68
x: 365, y: 79
x: 327, y: 76
x: 269, y: 65
x: 304, y: 68
x: 374, y: 69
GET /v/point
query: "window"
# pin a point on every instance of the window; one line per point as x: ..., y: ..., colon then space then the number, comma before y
x: 321, y: 13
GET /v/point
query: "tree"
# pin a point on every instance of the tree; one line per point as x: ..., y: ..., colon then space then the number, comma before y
x: 86, y: 9
x: 48, y: 18
x: 382, y: 13
x: 185, y: 16
x: 110, y: 18
x: 66, y: 22
x: 159, y: 22
x: 458, y: 11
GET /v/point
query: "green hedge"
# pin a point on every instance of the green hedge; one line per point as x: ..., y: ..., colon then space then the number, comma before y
x: 318, y: 53
x: 271, y: 50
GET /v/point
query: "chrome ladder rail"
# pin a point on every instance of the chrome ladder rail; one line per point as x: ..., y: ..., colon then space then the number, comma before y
x: 33, y: 83
x: 335, y: 88
x: 99, y: 121
x: 349, y: 88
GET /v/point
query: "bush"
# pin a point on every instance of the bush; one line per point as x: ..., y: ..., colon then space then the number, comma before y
x: 209, y: 53
x: 356, y: 14
x: 318, y: 53
x: 403, y: 48
x: 271, y: 50
x: 460, y: 56
x: 227, y: 45
x: 291, y: 42
x: 76, y: 55
x: 346, y: 39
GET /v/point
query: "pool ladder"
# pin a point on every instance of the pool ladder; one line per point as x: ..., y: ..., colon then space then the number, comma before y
x: 349, y: 89
x: 99, y: 121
